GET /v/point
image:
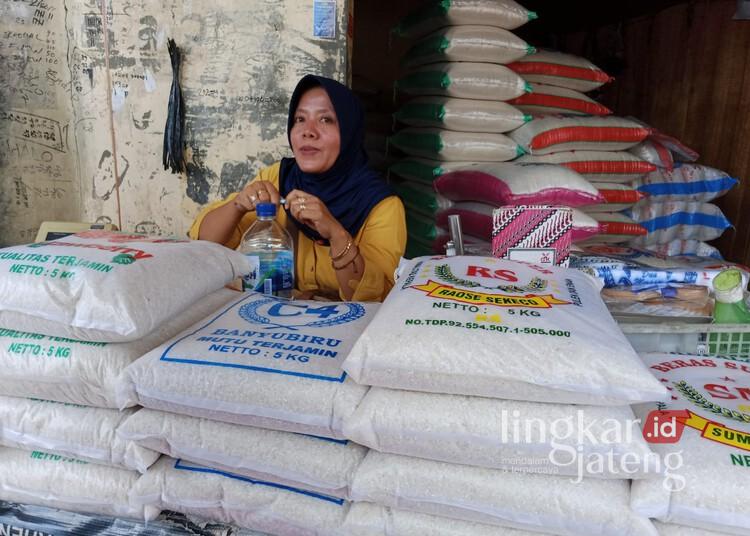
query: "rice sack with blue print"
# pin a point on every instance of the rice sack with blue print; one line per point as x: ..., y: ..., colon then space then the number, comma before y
x: 108, y: 287
x: 491, y: 327
x: 260, y: 361
x: 225, y: 497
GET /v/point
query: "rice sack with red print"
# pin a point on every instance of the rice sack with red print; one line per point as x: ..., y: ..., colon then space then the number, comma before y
x: 703, y: 433
x: 490, y: 327
x: 109, y: 287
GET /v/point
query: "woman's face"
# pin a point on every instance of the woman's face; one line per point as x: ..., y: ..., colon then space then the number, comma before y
x: 315, y: 136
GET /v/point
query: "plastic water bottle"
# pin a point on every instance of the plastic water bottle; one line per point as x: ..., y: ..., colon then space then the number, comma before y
x: 270, y: 250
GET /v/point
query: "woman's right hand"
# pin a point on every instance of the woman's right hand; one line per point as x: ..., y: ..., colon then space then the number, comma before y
x: 254, y: 193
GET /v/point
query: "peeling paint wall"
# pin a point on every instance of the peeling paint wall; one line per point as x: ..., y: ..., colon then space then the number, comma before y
x: 84, y: 87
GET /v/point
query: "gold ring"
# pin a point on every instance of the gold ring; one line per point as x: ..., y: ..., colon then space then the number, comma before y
x: 252, y: 198
x: 302, y: 207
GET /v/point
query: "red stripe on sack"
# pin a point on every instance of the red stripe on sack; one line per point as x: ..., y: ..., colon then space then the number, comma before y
x: 567, y: 103
x: 622, y: 196
x: 588, y: 134
x: 563, y: 71
x: 619, y: 228
x: 610, y: 167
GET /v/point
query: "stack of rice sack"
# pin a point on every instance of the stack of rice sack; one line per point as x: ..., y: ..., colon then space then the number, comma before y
x: 456, y: 73
x: 571, y: 130
x: 679, y: 214
x: 248, y: 407
x: 703, y: 434
x: 496, y: 391
x: 74, y: 313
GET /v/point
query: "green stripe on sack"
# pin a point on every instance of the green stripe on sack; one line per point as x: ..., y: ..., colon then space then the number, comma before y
x: 430, y: 46
x: 418, y: 171
x: 532, y: 15
x: 438, y: 9
x: 527, y: 87
x: 527, y: 118
x: 424, y: 111
x: 421, y: 227
x: 520, y: 151
x: 530, y: 49
x: 423, y: 200
x: 424, y: 80
x: 429, y: 142
x: 417, y: 248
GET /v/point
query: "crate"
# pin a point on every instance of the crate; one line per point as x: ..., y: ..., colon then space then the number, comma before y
x: 732, y: 340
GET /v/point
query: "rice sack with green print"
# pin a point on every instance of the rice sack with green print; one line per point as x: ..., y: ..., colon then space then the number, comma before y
x: 436, y: 14
x: 468, y: 43
x: 109, y: 287
x: 464, y: 115
x: 439, y: 144
x: 496, y: 328
x: 703, y: 431
x: 464, y: 80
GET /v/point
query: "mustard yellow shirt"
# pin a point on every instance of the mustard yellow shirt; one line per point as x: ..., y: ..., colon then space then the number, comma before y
x: 381, y: 241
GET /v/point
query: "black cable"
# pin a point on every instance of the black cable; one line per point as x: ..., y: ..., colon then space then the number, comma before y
x: 172, y: 155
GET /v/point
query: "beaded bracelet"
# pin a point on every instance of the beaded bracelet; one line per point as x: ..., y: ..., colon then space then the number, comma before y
x: 346, y: 250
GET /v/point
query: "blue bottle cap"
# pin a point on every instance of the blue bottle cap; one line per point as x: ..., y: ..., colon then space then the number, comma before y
x: 265, y: 210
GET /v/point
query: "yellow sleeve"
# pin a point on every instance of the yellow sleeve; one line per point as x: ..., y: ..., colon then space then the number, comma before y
x: 381, y: 241
x: 270, y: 174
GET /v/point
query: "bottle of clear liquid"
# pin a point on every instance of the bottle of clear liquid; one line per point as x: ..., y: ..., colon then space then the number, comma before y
x: 270, y: 250
x: 730, y: 306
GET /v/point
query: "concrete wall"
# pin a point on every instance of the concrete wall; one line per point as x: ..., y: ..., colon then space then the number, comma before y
x: 84, y: 88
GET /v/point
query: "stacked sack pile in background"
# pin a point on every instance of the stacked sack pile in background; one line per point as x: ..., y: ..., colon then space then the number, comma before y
x: 618, y: 173
x: 456, y: 70
x: 74, y: 314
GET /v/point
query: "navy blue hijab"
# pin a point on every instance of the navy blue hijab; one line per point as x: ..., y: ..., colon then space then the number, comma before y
x: 350, y: 189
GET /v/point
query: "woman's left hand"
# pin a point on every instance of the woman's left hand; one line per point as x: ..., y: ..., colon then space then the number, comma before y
x: 311, y: 211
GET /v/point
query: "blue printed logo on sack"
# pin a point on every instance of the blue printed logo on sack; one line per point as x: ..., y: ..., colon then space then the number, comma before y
x: 274, y: 314
x: 260, y: 333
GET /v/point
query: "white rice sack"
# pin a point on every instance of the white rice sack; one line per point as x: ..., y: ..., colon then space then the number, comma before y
x: 618, y: 197
x: 614, y: 228
x: 543, y: 503
x: 316, y: 464
x: 467, y: 42
x: 449, y: 145
x: 654, y: 152
x: 670, y: 529
x: 546, y: 99
x: 367, y: 519
x: 562, y: 439
x: 213, y: 495
x: 465, y: 115
x: 687, y: 182
x: 560, y: 69
x: 45, y: 479
x: 677, y: 248
x: 517, y: 184
x: 556, y: 133
x: 464, y: 80
x: 707, y: 485
x: 436, y: 14
x: 107, y: 287
x: 81, y: 372
x: 236, y: 365
x: 677, y: 220
x: 596, y: 166
x: 72, y: 431
x: 425, y: 170
x: 537, y: 333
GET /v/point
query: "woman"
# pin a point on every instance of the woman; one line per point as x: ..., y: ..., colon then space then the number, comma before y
x: 349, y: 226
